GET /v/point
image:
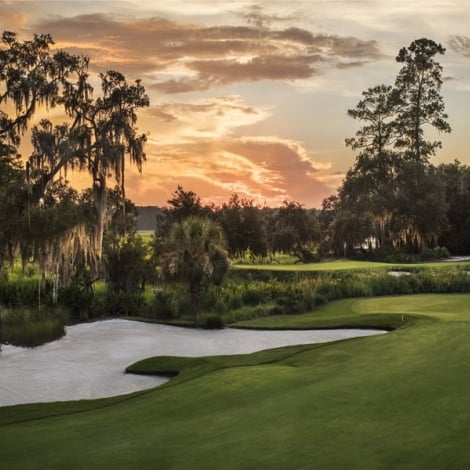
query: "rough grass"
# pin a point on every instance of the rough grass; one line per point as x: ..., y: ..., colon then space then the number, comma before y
x: 30, y: 328
x: 398, y: 400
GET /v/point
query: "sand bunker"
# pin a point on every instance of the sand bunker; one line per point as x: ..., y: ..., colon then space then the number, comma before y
x: 89, y: 362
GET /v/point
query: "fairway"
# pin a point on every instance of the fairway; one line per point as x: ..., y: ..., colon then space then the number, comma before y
x: 344, y: 265
x: 444, y: 306
x: 391, y: 401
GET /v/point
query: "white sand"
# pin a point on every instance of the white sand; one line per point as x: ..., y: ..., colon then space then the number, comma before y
x: 89, y: 362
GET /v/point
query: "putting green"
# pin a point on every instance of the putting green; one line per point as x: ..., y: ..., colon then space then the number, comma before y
x: 398, y: 400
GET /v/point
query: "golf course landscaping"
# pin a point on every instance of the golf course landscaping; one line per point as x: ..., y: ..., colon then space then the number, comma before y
x: 396, y: 400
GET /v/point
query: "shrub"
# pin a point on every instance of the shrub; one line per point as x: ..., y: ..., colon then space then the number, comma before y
x: 439, y: 252
x: 19, y: 292
x: 162, y: 305
x: 77, y: 300
x: 212, y: 322
x: 124, y: 303
x: 253, y: 294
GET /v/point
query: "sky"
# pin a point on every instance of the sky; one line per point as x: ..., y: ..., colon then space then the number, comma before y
x: 251, y: 97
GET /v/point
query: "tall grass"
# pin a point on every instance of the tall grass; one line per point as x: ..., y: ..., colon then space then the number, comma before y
x: 245, y: 294
x: 254, y: 294
x: 29, y: 328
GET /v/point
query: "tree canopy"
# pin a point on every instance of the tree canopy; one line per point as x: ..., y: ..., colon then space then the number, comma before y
x: 392, y: 188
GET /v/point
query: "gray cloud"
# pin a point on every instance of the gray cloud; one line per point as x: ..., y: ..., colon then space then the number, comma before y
x: 460, y: 44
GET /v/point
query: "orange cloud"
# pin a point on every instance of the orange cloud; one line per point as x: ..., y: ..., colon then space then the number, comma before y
x: 197, y: 58
x: 179, y: 122
x: 197, y: 142
x: 266, y: 169
x: 13, y: 17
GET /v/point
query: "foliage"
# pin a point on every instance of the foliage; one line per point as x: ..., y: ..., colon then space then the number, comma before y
x: 18, y: 291
x: 294, y: 229
x: 195, y: 254
x: 29, y: 328
x: 212, y: 322
x: 252, y: 293
x: 99, y: 132
x: 392, y: 198
x: 455, y: 178
x: 182, y: 205
x: 128, y: 270
x: 12, y: 191
x: 78, y: 300
x: 420, y: 103
x: 244, y: 227
x: 30, y: 76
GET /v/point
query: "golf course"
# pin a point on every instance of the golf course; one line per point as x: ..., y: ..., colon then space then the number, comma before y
x: 396, y: 400
x: 234, y: 236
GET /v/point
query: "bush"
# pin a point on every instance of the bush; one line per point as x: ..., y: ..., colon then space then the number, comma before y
x: 124, y: 304
x: 19, y: 292
x: 78, y: 301
x: 439, y: 252
x: 212, y: 322
x: 162, y: 305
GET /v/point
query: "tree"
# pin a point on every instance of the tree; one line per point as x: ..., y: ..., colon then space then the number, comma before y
x: 326, y: 217
x: 294, y: 229
x: 98, y: 136
x: 391, y: 174
x: 195, y: 254
x: 371, y: 184
x: 456, y: 179
x: 244, y: 227
x: 377, y: 109
x: 182, y: 205
x: 418, y: 86
x: 128, y: 269
x: 127, y: 259
x: 107, y: 126
x: 421, y: 208
x: 12, y: 203
x: 30, y: 76
x: 54, y: 235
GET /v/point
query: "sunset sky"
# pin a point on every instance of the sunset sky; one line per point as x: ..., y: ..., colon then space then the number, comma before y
x: 252, y: 97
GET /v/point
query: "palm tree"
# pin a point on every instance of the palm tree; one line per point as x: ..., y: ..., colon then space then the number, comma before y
x: 195, y: 252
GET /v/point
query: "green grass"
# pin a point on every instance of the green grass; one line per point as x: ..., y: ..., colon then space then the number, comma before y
x: 376, y: 312
x: 398, y: 400
x: 344, y: 264
x: 146, y: 235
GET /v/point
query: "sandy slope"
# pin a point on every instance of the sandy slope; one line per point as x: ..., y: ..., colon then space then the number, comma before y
x: 89, y: 361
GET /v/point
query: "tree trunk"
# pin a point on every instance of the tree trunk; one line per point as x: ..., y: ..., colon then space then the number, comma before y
x: 195, y: 291
x: 100, y: 198
x: 1, y: 328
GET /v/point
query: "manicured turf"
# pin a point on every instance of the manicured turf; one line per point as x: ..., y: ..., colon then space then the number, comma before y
x: 398, y: 400
x: 341, y: 265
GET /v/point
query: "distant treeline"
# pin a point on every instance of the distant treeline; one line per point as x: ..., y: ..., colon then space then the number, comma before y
x: 146, y: 217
